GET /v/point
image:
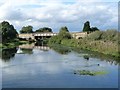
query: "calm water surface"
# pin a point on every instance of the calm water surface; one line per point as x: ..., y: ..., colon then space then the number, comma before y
x: 42, y: 67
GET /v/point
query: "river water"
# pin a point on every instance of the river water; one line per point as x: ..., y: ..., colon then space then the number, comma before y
x: 43, y: 67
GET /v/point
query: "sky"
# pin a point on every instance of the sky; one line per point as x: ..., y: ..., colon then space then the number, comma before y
x: 57, y: 13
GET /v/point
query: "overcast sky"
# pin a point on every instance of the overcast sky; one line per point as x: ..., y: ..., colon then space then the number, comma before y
x: 57, y: 13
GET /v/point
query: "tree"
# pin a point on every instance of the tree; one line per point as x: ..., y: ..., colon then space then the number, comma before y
x: 86, y: 27
x: 7, y: 31
x: 44, y: 29
x: 27, y: 29
x: 64, y: 33
x: 94, y: 29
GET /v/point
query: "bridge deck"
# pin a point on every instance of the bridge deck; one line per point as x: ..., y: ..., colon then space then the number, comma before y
x: 76, y: 35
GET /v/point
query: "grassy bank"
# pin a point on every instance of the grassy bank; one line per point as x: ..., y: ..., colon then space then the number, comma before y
x: 106, y: 42
x: 12, y: 44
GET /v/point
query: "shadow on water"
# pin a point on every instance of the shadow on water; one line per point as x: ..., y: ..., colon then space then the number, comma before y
x: 7, y: 54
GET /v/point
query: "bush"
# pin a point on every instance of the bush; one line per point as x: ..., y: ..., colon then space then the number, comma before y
x: 97, y: 35
x: 109, y: 35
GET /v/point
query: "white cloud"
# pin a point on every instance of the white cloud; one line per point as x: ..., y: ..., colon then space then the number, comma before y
x: 55, y: 14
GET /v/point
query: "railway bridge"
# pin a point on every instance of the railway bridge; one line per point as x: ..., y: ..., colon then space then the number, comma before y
x: 39, y: 36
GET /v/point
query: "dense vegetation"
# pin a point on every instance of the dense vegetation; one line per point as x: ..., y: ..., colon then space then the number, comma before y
x: 27, y: 29
x: 87, y: 27
x: 44, y: 29
x: 105, y: 42
x: 7, y: 32
x: 63, y: 34
x: 8, y: 36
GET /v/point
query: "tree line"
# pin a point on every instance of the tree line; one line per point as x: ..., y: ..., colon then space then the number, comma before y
x: 9, y: 33
x: 29, y: 29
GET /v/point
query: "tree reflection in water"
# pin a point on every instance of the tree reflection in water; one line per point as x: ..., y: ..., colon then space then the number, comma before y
x: 61, y: 49
x: 7, y: 54
x: 27, y: 51
x: 102, y: 57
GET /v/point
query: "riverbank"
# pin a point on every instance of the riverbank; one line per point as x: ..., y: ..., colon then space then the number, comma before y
x: 12, y: 44
x: 100, y: 46
x: 105, y: 42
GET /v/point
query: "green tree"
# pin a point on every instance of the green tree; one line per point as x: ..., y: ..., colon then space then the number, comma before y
x: 64, y: 33
x: 44, y: 29
x: 94, y: 29
x: 27, y: 29
x: 86, y: 27
x: 7, y: 32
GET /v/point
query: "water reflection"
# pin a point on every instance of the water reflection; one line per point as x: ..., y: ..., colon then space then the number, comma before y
x: 7, y: 54
x: 26, y: 51
x: 61, y: 49
x: 112, y: 60
x: 33, y: 46
x: 34, y: 67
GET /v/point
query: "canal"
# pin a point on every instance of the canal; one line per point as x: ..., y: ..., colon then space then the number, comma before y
x: 43, y: 67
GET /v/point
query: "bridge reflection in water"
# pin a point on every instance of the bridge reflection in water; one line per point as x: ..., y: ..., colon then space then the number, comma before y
x: 31, y: 47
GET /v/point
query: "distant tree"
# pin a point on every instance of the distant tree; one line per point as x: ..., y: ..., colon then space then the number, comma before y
x: 64, y: 29
x: 7, y: 31
x: 86, y: 27
x: 44, y: 29
x: 27, y: 29
x: 64, y: 33
x: 94, y: 29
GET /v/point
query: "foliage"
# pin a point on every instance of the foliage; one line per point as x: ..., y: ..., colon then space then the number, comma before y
x: 86, y: 27
x: 105, y: 42
x: 44, y: 29
x: 109, y: 35
x: 27, y: 29
x: 7, y: 32
x: 55, y: 40
x: 64, y: 33
x: 97, y: 35
x: 94, y: 29
x: 12, y: 44
x: 69, y: 42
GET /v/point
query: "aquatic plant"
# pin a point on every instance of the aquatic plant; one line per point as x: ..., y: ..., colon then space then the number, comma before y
x: 90, y: 73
